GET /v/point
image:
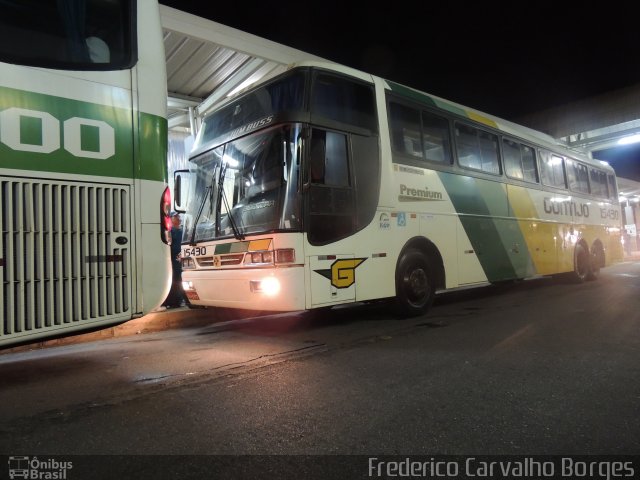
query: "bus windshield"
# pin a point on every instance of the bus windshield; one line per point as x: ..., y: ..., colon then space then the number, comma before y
x: 246, y: 186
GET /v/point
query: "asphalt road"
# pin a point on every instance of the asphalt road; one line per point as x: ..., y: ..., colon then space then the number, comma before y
x: 541, y: 367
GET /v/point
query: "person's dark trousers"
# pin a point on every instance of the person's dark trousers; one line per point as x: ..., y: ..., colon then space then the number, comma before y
x: 176, y: 294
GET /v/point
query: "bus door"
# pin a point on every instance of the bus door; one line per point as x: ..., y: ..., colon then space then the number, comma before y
x: 330, y: 218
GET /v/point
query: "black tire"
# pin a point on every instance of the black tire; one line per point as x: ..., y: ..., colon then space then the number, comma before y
x: 415, y: 284
x: 596, y: 261
x: 582, y: 264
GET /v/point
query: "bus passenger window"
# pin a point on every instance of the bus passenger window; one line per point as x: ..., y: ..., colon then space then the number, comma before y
x: 577, y: 176
x: 552, y: 170
x: 519, y: 161
x: 468, y: 148
x: 529, y: 169
x: 477, y: 149
x: 435, y: 135
x: 599, y: 183
x: 489, y: 152
x: 512, y: 160
x: 405, y: 129
x: 613, y: 189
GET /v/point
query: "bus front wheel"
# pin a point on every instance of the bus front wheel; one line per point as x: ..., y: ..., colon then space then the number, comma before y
x: 415, y: 285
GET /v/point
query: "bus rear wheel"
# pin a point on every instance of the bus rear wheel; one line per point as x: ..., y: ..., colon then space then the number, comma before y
x: 582, y: 264
x: 596, y: 261
x: 415, y: 285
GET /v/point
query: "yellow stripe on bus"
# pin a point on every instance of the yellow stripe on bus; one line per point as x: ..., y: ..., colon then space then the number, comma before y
x: 482, y: 119
x: 257, y: 245
x: 541, y: 237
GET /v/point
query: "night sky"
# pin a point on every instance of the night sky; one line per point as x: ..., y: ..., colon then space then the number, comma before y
x: 507, y: 60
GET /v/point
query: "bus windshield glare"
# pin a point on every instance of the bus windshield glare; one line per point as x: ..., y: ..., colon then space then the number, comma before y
x: 248, y: 185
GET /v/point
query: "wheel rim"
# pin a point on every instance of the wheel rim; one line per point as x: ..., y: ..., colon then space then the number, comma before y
x: 595, y: 263
x: 416, y: 286
x: 582, y: 265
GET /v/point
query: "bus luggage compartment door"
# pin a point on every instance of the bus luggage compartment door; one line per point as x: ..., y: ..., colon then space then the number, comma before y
x: 332, y: 279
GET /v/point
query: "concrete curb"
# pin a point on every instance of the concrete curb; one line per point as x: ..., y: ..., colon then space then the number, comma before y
x: 152, y: 322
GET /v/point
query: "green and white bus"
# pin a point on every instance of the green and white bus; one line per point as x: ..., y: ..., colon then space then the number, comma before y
x: 83, y: 138
x: 326, y: 185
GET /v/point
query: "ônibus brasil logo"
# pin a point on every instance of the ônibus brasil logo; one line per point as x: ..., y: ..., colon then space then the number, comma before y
x: 34, y: 468
x: 46, y: 134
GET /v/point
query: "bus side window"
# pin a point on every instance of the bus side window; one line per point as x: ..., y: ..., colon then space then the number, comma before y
x: 405, y: 130
x: 337, y: 165
x: 330, y: 199
x: 519, y: 161
x: 512, y: 159
x: 477, y: 149
x: 435, y: 138
x: 328, y: 159
x: 577, y: 176
x: 346, y: 101
x: 598, y: 183
x: 80, y: 35
x: 552, y: 170
x: 316, y: 156
x: 613, y: 189
x: 529, y: 164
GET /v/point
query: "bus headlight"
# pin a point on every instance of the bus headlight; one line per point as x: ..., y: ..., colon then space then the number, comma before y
x: 187, y: 286
x: 269, y: 286
x: 265, y: 257
x: 282, y: 255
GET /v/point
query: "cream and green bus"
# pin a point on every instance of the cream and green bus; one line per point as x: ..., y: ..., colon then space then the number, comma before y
x: 326, y: 185
x: 83, y: 196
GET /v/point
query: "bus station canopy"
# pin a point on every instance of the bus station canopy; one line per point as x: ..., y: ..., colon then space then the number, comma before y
x: 208, y: 62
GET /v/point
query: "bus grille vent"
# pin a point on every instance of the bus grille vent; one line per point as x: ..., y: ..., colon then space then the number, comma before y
x: 60, y: 264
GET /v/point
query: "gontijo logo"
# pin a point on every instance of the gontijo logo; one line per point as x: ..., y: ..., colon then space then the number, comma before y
x: 82, y: 137
x: 342, y: 272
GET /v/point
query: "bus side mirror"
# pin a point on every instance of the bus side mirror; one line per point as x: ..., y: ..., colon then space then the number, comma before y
x: 181, y: 184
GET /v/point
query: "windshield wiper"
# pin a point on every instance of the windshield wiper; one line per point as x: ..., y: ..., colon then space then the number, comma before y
x: 234, y: 227
x: 208, y: 192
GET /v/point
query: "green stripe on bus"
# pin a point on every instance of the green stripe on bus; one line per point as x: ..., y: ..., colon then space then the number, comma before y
x: 450, y: 108
x: 412, y: 94
x: 476, y: 217
x: 513, y: 241
x: 34, y: 121
x: 154, y: 138
x: 233, y: 247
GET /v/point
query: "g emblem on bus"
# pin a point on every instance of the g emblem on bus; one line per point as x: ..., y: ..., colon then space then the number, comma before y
x: 342, y: 272
x: 49, y: 138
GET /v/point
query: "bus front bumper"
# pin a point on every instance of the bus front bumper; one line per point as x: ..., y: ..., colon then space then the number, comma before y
x: 268, y: 289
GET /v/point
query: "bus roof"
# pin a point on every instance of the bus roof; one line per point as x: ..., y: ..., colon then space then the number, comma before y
x: 505, y: 126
